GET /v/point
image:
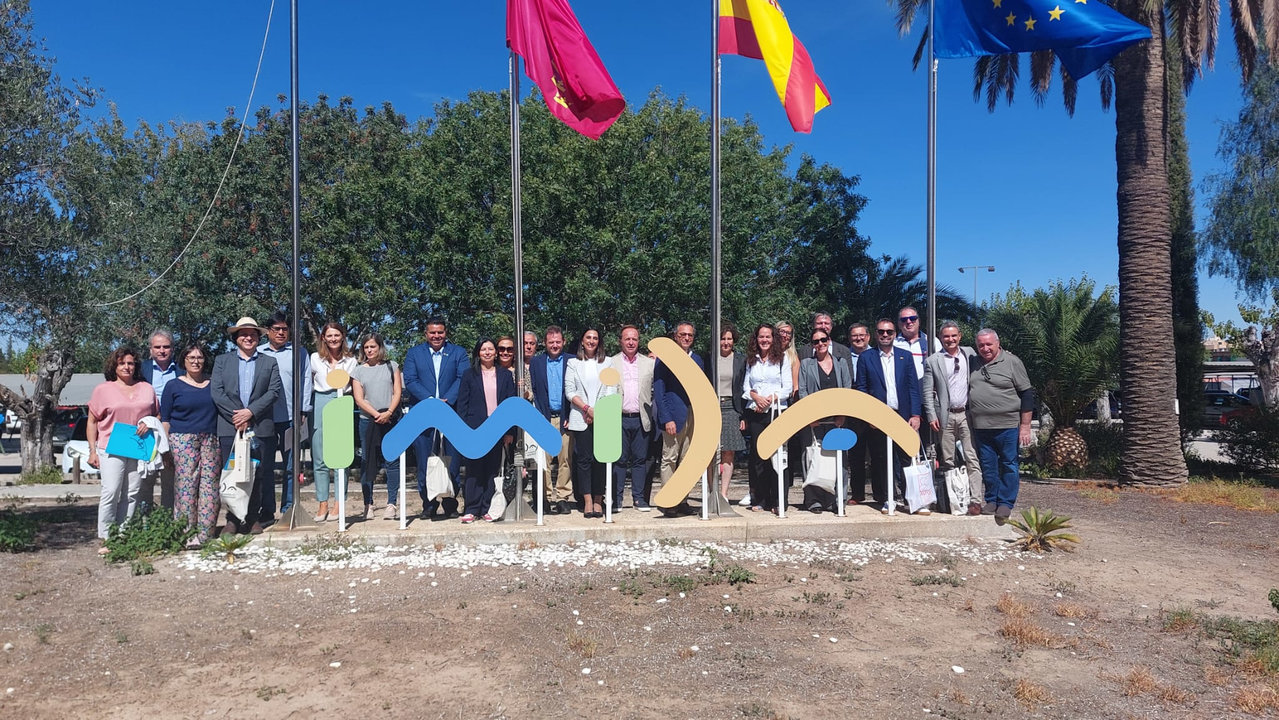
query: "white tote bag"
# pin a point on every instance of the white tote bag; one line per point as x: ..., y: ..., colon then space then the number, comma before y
x: 821, y: 467
x: 920, y: 492
x: 957, y: 487
x: 438, y: 483
x: 237, y: 476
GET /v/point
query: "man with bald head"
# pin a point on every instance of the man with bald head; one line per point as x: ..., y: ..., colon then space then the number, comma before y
x: 1000, y: 404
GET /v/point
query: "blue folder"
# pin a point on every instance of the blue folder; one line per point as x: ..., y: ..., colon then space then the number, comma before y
x: 125, y: 442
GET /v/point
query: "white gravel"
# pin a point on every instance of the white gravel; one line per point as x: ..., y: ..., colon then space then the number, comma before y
x: 262, y: 559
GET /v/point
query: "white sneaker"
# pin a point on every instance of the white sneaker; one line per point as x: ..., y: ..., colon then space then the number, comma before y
x: 746, y: 501
x: 391, y: 513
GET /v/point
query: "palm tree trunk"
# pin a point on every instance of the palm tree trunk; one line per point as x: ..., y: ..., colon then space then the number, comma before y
x: 1152, y: 452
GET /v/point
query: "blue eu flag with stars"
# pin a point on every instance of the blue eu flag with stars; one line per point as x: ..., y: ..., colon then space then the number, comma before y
x: 1084, y: 34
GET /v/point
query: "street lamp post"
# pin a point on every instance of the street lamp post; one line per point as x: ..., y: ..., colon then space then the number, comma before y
x: 975, y: 268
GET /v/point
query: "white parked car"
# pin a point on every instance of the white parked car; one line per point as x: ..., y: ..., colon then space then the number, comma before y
x: 72, y: 450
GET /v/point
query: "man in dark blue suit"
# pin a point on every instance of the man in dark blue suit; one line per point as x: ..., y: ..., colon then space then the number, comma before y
x: 888, y: 374
x: 434, y: 370
x: 674, y: 411
x: 546, y: 374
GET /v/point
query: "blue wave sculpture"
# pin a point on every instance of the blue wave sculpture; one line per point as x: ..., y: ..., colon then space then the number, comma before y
x: 471, y: 442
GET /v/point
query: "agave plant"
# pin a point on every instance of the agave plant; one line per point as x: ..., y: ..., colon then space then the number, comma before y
x: 226, y: 545
x: 1041, y: 531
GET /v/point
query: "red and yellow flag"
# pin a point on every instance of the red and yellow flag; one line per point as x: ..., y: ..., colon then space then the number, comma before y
x: 758, y: 29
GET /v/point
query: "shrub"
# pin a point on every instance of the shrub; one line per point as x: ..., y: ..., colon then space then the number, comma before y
x: 149, y: 535
x: 1043, y: 530
x: 43, y: 475
x: 1105, y: 446
x: 17, y: 531
x: 1251, y: 440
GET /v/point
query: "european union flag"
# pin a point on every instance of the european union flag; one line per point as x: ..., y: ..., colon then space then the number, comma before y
x: 1083, y: 33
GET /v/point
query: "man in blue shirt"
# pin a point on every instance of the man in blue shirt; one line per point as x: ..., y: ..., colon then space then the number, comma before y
x: 159, y: 371
x: 278, y: 330
x: 546, y: 371
x: 434, y: 370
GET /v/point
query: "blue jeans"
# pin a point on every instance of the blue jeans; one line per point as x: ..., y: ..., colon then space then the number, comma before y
x: 371, y: 459
x: 634, y: 460
x: 997, y: 452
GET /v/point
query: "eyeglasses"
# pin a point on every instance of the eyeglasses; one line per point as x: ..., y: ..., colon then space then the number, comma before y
x: 505, y: 349
x: 279, y: 328
x: 910, y: 318
x: 956, y: 370
x: 687, y: 335
x: 821, y: 341
x: 886, y: 332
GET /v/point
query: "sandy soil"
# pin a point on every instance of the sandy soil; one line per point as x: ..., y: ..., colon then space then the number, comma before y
x: 825, y: 630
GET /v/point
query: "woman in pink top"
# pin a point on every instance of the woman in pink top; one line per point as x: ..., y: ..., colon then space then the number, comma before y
x: 484, y: 386
x: 124, y: 398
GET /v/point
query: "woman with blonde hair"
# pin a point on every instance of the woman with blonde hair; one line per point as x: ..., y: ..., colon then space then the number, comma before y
x: 333, y: 354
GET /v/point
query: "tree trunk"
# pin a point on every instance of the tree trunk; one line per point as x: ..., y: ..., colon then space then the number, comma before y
x: 1103, y: 408
x: 1152, y: 451
x: 54, y: 368
x: 1264, y: 354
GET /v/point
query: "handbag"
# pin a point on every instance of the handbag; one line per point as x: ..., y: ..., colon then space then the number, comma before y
x: 920, y: 492
x: 821, y: 467
x: 237, y: 476
x: 957, y: 487
x: 438, y: 483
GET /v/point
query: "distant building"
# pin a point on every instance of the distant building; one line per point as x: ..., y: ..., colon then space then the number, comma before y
x: 76, y: 392
x: 1218, y: 349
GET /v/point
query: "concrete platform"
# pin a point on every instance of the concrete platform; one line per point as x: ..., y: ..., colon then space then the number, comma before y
x: 860, y: 523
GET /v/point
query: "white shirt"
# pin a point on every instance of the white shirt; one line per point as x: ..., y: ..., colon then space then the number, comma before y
x: 766, y: 379
x: 917, y: 350
x: 887, y: 361
x: 320, y: 371
x: 957, y: 382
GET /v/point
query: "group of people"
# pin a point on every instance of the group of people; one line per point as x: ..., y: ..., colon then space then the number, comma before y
x: 980, y: 398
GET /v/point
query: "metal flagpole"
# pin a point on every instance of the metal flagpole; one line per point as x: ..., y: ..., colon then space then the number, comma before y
x: 295, y: 441
x: 931, y: 183
x: 517, y: 233
x: 712, y: 502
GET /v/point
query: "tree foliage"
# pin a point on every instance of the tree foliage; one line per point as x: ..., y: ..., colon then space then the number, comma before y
x: 1242, y: 234
x: 1067, y: 335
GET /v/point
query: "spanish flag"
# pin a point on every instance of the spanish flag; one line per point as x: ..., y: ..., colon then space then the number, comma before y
x: 758, y: 29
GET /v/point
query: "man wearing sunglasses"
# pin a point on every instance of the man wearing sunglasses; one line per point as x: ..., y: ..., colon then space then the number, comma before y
x: 886, y: 374
x: 1000, y: 403
x: 912, y: 340
x: 946, y: 406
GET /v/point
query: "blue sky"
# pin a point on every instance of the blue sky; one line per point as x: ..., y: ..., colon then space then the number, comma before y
x: 1026, y: 189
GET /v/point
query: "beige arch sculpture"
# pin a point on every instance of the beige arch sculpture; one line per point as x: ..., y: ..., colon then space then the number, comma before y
x: 704, y: 405
x: 832, y: 403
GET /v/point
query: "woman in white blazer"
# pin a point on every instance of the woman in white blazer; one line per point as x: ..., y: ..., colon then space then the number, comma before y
x: 583, y: 388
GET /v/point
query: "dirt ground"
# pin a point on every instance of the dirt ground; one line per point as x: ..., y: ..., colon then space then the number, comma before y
x: 837, y: 634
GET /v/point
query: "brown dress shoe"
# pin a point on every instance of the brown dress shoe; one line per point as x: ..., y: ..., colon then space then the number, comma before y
x: 974, y: 508
x: 256, y: 529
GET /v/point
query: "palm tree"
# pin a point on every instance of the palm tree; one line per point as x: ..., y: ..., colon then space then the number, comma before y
x: 889, y: 284
x: 1069, y: 342
x: 1136, y: 79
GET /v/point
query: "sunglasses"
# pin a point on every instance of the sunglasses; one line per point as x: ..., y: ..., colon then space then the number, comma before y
x: 886, y: 332
x: 506, y: 349
x: 910, y: 318
x: 821, y: 341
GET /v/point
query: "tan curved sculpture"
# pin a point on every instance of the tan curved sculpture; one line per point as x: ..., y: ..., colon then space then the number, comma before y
x: 834, y: 402
x: 706, y: 425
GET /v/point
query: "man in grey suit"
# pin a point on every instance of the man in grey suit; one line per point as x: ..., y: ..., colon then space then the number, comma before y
x: 636, y: 370
x: 946, y: 406
x: 822, y: 321
x: 244, y: 386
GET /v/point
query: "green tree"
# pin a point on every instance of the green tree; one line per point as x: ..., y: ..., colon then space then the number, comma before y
x: 43, y: 277
x: 1137, y: 81
x: 891, y: 283
x: 1068, y: 338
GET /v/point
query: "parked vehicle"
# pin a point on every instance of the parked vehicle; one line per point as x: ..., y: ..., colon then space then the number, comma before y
x: 67, y: 421
x: 1218, y: 402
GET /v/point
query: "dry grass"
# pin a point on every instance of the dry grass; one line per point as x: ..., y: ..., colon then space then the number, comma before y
x: 1024, y: 632
x: 1214, y: 675
x: 1011, y: 606
x: 958, y: 697
x: 1237, y: 495
x: 1102, y: 493
x: 1069, y: 609
x: 1180, y: 620
x: 527, y: 545
x: 1029, y: 694
x: 1256, y: 699
x: 1140, y: 681
x: 583, y: 644
x: 687, y: 653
